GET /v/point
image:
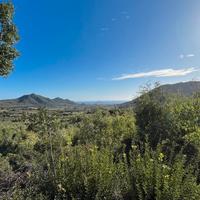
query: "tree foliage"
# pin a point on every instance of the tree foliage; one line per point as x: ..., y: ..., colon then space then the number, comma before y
x: 8, y: 38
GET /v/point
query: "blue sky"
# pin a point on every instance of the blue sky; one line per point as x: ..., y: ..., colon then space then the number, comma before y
x: 103, y: 49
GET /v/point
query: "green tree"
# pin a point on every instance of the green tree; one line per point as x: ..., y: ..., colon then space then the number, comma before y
x: 8, y: 38
x: 154, y: 120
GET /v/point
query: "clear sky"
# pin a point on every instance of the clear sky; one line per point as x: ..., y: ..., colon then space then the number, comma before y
x: 103, y: 49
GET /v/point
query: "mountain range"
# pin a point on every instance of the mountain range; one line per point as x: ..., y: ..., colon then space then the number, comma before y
x: 37, y: 101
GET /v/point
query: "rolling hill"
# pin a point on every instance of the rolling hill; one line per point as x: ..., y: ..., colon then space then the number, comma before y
x: 183, y: 89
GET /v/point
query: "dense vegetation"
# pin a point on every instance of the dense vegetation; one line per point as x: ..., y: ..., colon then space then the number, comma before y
x: 149, y: 153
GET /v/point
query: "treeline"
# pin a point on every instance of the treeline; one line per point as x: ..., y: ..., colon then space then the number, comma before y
x: 150, y: 152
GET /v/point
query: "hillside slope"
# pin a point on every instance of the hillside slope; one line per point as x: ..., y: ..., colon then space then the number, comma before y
x: 183, y: 89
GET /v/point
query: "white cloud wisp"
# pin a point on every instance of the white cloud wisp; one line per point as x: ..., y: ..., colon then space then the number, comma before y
x: 182, y: 56
x: 158, y: 73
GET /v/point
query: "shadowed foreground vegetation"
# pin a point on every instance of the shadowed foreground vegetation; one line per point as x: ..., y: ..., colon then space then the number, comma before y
x: 151, y: 153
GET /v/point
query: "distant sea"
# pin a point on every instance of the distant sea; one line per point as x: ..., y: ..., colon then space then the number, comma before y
x: 102, y: 102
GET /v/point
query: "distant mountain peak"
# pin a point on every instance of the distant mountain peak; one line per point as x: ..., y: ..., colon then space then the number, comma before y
x: 35, y: 101
x: 33, y: 95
